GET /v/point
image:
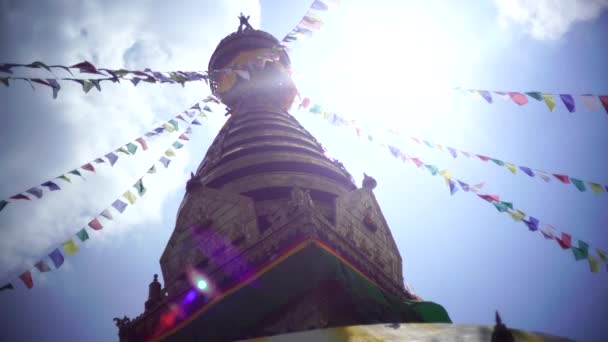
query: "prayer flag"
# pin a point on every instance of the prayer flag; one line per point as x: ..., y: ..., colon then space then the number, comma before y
x: 527, y: 171
x: 532, y: 223
x: 3, y: 203
x: 56, y: 257
x: 452, y: 152
x: 432, y: 168
x: 319, y: 5
x: 35, y: 191
x: 142, y: 142
x: 464, y: 186
x: 184, y: 137
x: 8, y: 286
x: 20, y: 197
x: 518, y: 98
x: 604, y: 101
x: 549, y: 101
x: 181, y: 118
x: 565, y: 241
x: 597, y: 188
x: 76, y: 173
x: 590, y: 103
x: 417, y: 162
x: 177, y: 145
x: 119, y: 206
x: 517, y: 215
x: 83, y: 235
x: 168, y: 127
x: 131, y: 147
x: 453, y: 187
x: 394, y: 151
x: 65, y: 178
x: 107, y: 214
x: 467, y: 154
x: 123, y: 150
x: 568, y: 101
x: 170, y: 153
x: 99, y: 161
x: 135, y: 81
x: 500, y: 206
x: 486, y: 95
x: 484, y: 158
x: 112, y: 158
x: 428, y: 143
x: 86, y: 67
x: 580, y: 252
x: 548, y: 231
x: 88, y: 167
x: 95, y: 224
x: 535, y: 95
x: 579, y: 184
x: 26, y: 277
x: 52, y: 186
x: 562, y: 178
x: 490, y: 198
x: 152, y: 169
x: 445, y: 174
x: 198, y: 106
x: 543, y: 175
x: 602, y: 255
x: 594, y: 265
x: 130, y: 197
x: 497, y: 162
x: 189, y: 130
x: 207, y: 109
x: 42, y: 266
x: 70, y: 247
x: 139, y: 186
x: 174, y: 123
x: 159, y: 130
x: 165, y: 161
x: 511, y: 167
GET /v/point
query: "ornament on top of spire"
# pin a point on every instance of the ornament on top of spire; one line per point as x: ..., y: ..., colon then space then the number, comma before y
x: 244, y: 25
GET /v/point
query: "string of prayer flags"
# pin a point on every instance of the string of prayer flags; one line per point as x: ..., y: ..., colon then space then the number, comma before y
x: 129, y: 148
x: 70, y: 247
x: 309, y: 22
x: 590, y: 102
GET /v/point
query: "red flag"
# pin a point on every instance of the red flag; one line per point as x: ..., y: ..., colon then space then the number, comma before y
x: 184, y: 137
x: 305, y: 103
x: 490, y: 198
x: 518, y: 98
x: 142, y: 142
x: 415, y: 139
x: 484, y: 158
x: 563, y: 178
x: 26, y: 277
x: 88, y: 167
x: 95, y: 224
x: 604, y: 101
x: 417, y: 162
x: 565, y: 241
x: 20, y: 196
x: 86, y: 67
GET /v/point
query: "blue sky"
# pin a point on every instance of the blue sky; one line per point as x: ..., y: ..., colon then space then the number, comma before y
x: 384, y: 63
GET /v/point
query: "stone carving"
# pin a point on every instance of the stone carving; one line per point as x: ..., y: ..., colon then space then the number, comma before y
x: 122, y: 322
x: 299, y: 198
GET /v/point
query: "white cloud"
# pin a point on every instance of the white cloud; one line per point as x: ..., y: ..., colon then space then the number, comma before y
x: 548, y: 19
x: 42, y: 137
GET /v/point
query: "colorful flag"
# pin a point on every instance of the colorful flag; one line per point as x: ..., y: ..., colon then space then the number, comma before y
x: 56, y: 257
x: 565, y: 241
x: 88, y: 167
x: 177, y: 145
x: 432, y: 168
x: 119, y: 205
x: 602, y: 255
x: 453, y: 187
x: 486, y: 95
x: 544, y: 176
x: 35, y: 191
x: 123, y: 150
x: 532, y: 223
x: 3, y: 203
x: 42, y: 266
x: 319, y: 5
x: 181, y: 118
x: 500, y: 206
x: 131, y: 147
x: 189, y: 130
x: 594, y: 265
x: 417, y: 161
x: 159, y: 130
x: 580, y: 252
x: 483, y: 158
x: 518, y: 98
x: 562, y: 178
x: 590, y: 102
x: 130, y: 197
x: 70, y: 247
x: 535, y: 95
x: 490, y: 198
x: 511, y: 167
x: 597, y: 188
x: 579, y: 184
x: 8, y: 286
x: 107, y: 214
x: 152, y: 169
x: 139, y: 186
x: 184, y: 137
x: 452, y: 152
x: 195, y: 122
x: 168, y: 127
x: 497, y: 162
x: 549, y: 101
x: 604, y: 101
x: 112, y: 158
x: 517, y: 215
x: 548, y: 231
x: 464, y: 186
x: 65, y: 178
x: 52, y: 186
x: 527, y: 171
x: 174, y: 123
x: 568, y: 101
x: 394, y: 151
x: 170, y: 153
x: 95, y: 224
x: 20, y: 197
x: 26, y: 277
x: 83, y: 235
x: 165, y: 161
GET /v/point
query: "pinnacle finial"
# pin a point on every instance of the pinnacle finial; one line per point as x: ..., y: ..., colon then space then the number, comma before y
x: 155, y: 278
x: 244, y: 25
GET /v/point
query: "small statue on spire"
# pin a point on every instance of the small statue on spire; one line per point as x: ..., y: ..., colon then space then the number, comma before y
x: 244, y: 25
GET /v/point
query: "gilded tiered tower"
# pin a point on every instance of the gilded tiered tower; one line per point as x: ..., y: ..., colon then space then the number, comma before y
x: 272, y: 236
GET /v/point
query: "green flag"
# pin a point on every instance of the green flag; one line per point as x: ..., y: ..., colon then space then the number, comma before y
x: 580, y: 252
x: 433, y: 169
x: 535, y: 95
x: 178, y: 145
x: 131, y: 147
x: 174, y: 123
x: 83, y: 235
x: 579, y: 184
x: 497, y: 162
x: 594, y: 265
x: 123, y: 150
x: 501, y: 206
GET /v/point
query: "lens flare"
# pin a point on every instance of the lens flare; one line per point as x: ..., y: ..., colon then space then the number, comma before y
x: 201, y: 284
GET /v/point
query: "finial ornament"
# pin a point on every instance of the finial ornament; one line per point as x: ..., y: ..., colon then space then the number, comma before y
x: 244, y: 25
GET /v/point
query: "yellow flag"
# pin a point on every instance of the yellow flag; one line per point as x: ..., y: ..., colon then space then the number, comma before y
x: 549, y: 101
x: 594, y: 265
x: 597, y: 188
x: 474, y: 93
x: 446, y: 174
x: 517, y: 215
x: 170, y: 153
x: 439, y: 146
x: 130, y: 197
x: 70, y: 247
x: 169, y: 128
x: 511, y: 167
